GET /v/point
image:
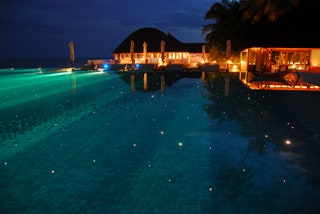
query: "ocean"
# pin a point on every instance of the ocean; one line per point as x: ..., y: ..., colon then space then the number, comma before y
x: 41, y: 63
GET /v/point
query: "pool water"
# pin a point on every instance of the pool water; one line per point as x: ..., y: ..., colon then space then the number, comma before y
x: 108, y: 142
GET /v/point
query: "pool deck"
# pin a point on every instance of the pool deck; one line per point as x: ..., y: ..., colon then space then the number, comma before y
x: 307, y: 81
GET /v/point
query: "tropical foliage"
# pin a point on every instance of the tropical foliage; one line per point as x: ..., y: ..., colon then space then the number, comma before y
x: 254, y: 10
x: 250, y: 23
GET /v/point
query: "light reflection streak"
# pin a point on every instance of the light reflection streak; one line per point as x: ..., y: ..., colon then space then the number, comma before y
x: 42, y: 85
x: 31, y: 86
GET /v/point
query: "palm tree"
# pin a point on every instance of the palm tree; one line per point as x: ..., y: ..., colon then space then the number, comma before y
x: 255, y: 10
x: 227, y: 21
x: 278, y: 22
x: 250, y: 23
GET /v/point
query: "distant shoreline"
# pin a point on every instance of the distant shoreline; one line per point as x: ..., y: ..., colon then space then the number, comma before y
x: 36, y: 63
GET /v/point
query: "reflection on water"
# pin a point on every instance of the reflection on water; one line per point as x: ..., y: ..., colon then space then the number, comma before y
x: 132, y: 83
x: 235, y: 180
x: 280, y: 122
x: 154, y: 81
x: 286, y: 121
x: 33, y: 101
x: 74, y: 84
x: 237, y: 148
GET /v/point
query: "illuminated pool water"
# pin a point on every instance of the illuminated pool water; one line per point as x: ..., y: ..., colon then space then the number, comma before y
x: 106, y: 142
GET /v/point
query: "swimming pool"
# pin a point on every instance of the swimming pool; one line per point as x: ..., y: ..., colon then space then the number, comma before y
x: 107, y: 142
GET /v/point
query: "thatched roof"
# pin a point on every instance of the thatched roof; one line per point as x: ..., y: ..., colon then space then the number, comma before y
x: 195, y: 47
x: 153, y: 38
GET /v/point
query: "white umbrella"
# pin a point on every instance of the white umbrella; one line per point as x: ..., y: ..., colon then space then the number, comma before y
x: 162, y: 48
x: 203, y: 51
x: 71, y: 47
x: 228, y: 50
x: 132, y: 52
x: 145, y: 45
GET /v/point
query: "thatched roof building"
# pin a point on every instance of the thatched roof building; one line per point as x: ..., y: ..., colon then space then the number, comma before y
x: 153, y: 38
x: 150, y: 45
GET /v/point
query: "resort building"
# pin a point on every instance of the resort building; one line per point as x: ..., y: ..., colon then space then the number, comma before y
x: 150, y: 45
x: 280, y: 68
x: 151, y: 48
x: 274, y: 59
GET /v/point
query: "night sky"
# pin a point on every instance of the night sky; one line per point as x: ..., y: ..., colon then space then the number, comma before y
x: 43, y: 28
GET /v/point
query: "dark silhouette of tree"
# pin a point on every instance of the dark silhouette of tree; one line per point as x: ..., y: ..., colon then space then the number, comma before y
x: 296, y: 27
x: 227, y: 22
x: 248, y: 23
x: 254, y: 10
x: 267, y: 117
x: 235, y: 181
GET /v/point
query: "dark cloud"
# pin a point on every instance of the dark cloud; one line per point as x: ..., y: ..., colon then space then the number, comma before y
x: 95, y: 26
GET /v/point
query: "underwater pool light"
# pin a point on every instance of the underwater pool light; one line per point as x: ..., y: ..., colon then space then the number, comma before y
x: 106, y: 66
